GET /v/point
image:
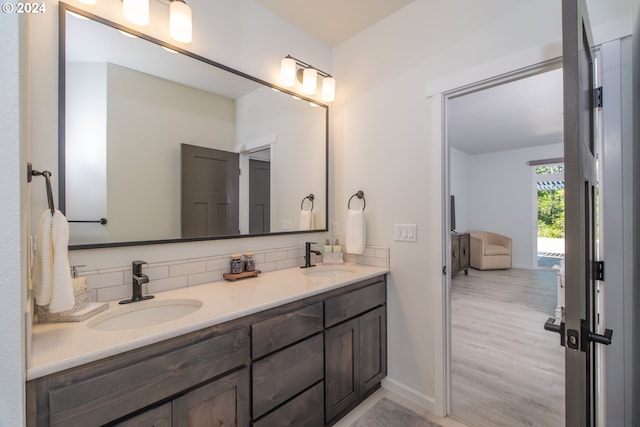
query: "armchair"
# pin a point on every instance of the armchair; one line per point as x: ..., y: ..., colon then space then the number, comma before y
x: 490, y: 251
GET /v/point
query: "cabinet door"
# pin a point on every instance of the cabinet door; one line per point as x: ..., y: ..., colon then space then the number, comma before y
x: 342, y: 366
x: 373, y: 348
x: 156, y: 417
x: 455, y: 253
x: 221, y: 403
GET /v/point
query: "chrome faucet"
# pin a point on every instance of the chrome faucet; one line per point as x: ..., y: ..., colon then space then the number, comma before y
x: 138, y: 279
x: 307, y: 255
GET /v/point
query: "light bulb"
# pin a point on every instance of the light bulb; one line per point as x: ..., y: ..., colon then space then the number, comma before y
x: 136, y: 11
x: 180, y: 24
x: 329, y: 89
x: 288, y: 72
x: 309, y: 81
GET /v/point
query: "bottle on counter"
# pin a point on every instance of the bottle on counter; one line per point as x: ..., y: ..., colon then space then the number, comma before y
x: 237, y: 266
x: 327, y: 247
x: 249, y: 262
x: 336, y: 246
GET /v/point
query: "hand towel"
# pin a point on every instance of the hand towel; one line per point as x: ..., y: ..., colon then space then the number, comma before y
x: 356, y: 232
x: 52, y: 283
x: 306, y: 219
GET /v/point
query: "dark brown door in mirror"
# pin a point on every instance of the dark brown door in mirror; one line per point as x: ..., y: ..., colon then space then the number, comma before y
x: 210, y: 202
x: 259, y: 196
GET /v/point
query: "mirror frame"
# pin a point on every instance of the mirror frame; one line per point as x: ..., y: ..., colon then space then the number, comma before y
x: 63, y: 8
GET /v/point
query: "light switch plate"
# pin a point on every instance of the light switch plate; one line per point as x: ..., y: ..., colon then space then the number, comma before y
x: 405, y: 232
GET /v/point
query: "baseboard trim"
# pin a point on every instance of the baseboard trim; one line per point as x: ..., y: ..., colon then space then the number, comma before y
x: 413, y: 396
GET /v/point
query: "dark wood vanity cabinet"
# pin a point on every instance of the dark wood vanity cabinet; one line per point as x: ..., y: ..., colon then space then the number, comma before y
x: 131, y: 388
x: 300, y: 364
x: 355, y: 347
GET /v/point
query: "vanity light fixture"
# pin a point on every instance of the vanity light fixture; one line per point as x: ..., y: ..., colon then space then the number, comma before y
x: 308, y: 76
x: 180, y: 21
x: 136, y: 11
x: 180, y: 17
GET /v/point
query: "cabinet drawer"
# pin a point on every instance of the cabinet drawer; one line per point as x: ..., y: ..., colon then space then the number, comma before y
x: 304, y: 410
x: 280, y: 331
x: 104, y: 398
x: 346, y: 306
x: 282, y: 375
x: 156, y: 417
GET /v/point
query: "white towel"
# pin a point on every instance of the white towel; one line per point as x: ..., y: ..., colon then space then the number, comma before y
x: 306, y: 219
x: 52, y: 283
x: 356, y: 232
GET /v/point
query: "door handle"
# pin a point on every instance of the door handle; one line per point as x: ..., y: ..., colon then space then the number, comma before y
x: 552, y: 326
x: 601, y: 339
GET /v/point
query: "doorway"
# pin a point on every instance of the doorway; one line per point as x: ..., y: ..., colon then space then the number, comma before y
x: 499, y: 178
x: 548, y: 181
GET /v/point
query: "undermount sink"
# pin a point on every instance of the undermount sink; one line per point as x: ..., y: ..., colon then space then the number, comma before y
x: 328, y: 272
x: 144, y: 313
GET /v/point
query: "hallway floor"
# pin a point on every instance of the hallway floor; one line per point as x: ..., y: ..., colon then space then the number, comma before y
x: 352, y: 416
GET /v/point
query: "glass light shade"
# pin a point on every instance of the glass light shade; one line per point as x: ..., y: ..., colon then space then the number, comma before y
x: 136, y: 11
x: 180, y: 26
x: 288, y: 72
x: 309, y: 81
x: 328, y: 89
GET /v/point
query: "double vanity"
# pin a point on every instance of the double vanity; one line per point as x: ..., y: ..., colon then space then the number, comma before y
x: 294, y: 347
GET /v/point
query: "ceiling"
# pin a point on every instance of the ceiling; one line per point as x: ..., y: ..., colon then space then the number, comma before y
x: 519, y: 114
x: 333, y: 21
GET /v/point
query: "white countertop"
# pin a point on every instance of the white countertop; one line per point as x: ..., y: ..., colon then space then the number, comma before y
x: 59, y: 346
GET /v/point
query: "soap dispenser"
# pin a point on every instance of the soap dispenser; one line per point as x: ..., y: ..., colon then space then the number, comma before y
x: 327, y: 247
x: 79, y: 283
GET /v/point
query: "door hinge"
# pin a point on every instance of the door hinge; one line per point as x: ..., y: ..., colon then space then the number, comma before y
x: 598, y: 270
x: 597, y: 97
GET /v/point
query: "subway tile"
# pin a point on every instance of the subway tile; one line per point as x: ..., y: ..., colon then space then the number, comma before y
x: 105, y: 280
x: 188, y: 268
x: 218, y: 263
x: 167, y: 284
x: 375, y: 262
x: 113, y: 293
x: 266, y: 266
x: 275, y: 255
x: 156, y: 273
x: 206, y: 277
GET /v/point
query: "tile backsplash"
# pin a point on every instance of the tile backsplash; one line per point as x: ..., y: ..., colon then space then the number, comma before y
x: 115, y: 283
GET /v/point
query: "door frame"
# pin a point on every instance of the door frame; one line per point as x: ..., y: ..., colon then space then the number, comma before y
x: 442, y: 395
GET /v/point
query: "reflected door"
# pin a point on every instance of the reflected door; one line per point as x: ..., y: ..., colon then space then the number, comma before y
x: 210, y: 198
x: 259, y: 196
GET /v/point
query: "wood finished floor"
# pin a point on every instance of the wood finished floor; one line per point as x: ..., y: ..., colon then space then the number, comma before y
x: 506, y: 369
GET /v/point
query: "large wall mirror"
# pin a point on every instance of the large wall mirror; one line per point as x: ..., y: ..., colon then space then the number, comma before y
x: 169, y: 146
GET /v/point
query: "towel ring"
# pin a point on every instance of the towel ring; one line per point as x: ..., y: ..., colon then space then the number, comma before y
x: 47, y: 177
x: 359, y: 195
x: 310, y: 197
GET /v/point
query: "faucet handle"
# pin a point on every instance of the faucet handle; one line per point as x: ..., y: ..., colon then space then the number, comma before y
x: 137, y: 267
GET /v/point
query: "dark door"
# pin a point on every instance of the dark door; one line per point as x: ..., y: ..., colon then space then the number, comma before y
x: 580, y: 234
x: 210, y: 198
x: 259, y: 196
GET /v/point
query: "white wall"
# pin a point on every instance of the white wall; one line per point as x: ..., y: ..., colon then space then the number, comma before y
x: 12, y: 256
x: 502, y: 197
x: 386, y: 135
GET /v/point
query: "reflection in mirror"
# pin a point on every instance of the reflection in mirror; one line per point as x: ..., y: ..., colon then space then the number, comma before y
x: 168, y: 146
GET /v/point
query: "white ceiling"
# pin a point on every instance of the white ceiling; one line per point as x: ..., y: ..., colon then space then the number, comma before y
x: 333, y: 21
x: 519, y: 114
